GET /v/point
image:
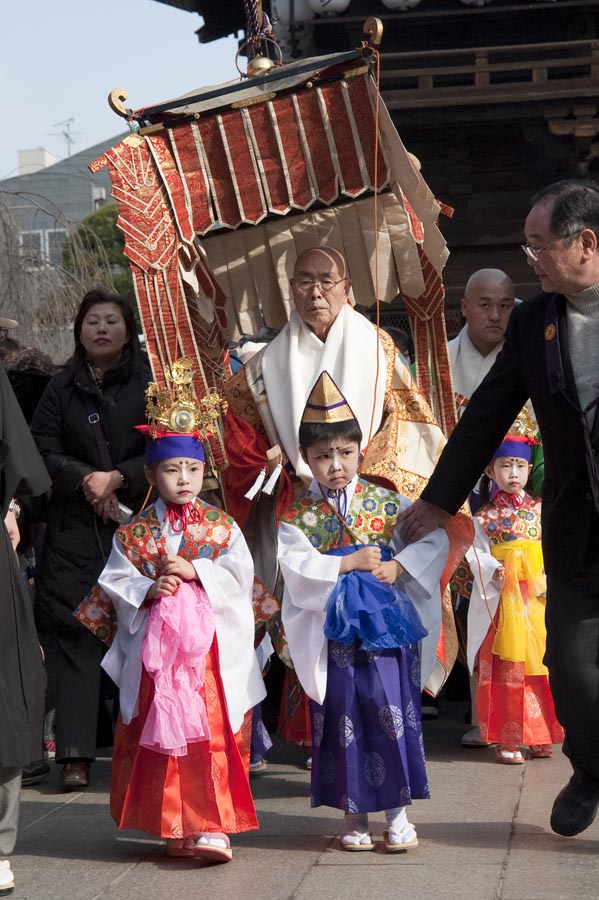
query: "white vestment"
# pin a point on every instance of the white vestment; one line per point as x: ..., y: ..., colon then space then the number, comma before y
x: 291, y: 364
x: 468, y: 365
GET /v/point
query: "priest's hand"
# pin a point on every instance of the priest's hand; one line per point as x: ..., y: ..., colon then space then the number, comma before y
x: 421, y: 518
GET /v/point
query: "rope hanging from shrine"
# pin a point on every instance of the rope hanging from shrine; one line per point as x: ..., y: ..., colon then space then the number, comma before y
x: 258, y: 26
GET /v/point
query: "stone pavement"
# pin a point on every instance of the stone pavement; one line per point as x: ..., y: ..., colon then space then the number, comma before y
x: 483, y: 836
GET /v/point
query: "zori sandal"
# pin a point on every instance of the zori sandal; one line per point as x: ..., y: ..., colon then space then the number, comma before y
x: 355, y: 841
x: 213, y: 847
x: 508, y: 756
x: 540, y: 751
x: 399, y: 842
x: 180, y: 847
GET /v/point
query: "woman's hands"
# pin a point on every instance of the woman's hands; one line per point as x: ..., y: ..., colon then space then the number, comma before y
x: 174, y: 571
x: 99, y: 491
x: 107, y: 508
x: 368, y: 559
x: 98, y: 486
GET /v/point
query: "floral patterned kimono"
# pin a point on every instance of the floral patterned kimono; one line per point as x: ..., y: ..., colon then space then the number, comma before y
x: 367, y: 750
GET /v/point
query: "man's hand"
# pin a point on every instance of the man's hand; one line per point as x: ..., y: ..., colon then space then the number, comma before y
x: 388, y: 572
x: 421, y: 518
x: 181, y: 568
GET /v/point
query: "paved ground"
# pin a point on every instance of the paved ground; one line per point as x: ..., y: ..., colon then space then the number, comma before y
x: 483, y: 836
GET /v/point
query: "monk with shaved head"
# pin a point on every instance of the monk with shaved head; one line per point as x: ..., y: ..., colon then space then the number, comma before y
x: 486, y: 306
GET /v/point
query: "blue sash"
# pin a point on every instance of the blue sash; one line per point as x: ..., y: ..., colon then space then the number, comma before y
x: 376, y: 615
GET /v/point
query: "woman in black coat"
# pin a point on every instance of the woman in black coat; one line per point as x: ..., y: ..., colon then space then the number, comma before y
x: 84, y: 429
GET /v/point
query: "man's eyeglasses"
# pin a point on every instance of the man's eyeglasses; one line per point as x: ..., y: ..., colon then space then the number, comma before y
x: 534, y: 254
x: 326, y: 284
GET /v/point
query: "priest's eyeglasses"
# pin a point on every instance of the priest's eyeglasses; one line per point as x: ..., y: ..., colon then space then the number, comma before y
x: 326, y: 284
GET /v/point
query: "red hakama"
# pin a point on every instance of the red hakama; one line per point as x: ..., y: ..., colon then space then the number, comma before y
x: 178, y: 796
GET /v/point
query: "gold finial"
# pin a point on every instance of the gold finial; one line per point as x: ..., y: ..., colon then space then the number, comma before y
x: 373, y: 27
x: 179, y: 410
x: 116, y: 100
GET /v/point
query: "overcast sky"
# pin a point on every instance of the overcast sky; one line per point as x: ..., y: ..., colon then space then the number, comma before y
x: 59, y: 59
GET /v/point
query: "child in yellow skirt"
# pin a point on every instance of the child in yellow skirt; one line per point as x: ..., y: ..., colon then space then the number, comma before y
x: 506, y: 617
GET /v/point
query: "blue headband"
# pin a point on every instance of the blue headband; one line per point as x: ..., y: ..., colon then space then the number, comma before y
x: 519, y: 449
x: 174, y: 445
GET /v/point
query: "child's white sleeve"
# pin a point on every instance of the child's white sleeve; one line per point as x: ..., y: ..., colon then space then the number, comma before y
x: 422, y: 561
x: 484, y: 599
x: 479, y: 557
x: 309, y: 576
x: 126, y: 587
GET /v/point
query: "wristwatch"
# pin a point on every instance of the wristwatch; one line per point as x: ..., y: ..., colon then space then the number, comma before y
x: 14, y: 508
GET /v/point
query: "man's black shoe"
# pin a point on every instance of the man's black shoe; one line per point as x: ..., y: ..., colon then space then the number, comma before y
x: 576, y: 805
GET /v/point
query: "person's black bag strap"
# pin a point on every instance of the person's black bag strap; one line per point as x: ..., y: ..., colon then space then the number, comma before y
x: 93, y: 417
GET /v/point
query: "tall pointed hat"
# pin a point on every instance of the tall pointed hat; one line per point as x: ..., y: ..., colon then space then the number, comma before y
x: 326, y: 404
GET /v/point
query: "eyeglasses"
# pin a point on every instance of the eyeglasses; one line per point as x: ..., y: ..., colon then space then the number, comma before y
x: 534, y: 254
x: 326, y: 284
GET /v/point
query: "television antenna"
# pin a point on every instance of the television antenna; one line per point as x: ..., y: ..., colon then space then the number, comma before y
x: 66, y: 133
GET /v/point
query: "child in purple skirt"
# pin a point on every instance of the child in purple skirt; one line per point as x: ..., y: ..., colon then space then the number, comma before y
x: 362, y: 615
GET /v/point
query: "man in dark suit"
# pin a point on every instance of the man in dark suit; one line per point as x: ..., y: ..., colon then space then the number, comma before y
x: 550, y: 355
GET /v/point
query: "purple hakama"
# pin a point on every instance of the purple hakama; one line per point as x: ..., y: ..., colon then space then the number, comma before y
x: 367, y: 745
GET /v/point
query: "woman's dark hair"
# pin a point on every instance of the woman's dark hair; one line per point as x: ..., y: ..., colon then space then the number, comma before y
x: 93, y: 298
x: 311, y: 433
